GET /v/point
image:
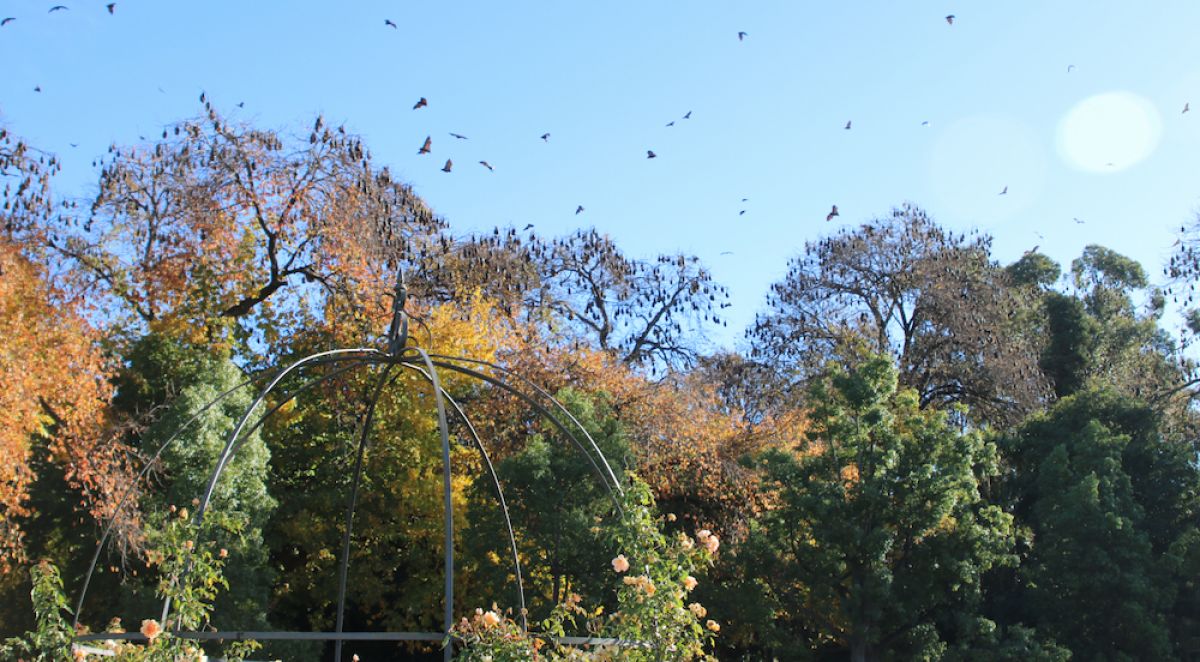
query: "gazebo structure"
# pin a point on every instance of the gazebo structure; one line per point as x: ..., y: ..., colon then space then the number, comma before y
x: 399, y: 354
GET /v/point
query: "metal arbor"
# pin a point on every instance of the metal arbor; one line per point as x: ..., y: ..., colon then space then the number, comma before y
x: 399, y: 354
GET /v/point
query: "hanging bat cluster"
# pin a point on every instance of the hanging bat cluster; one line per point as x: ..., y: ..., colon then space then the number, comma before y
x: 25, y: 173
x: 906, y: 287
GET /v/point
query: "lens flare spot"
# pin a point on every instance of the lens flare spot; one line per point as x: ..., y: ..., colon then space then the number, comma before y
x: 1109, y: 132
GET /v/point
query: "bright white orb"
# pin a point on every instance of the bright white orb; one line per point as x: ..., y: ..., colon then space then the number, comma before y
x: 1109, y: 132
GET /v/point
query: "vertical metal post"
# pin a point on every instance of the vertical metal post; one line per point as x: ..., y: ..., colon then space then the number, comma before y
x: 344, y: 563
x: 447, y: 497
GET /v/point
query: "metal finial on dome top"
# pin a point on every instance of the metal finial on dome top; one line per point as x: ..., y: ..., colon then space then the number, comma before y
x: 397, y: 335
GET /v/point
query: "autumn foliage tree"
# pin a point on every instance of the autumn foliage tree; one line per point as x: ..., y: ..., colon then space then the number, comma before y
x: 54, y: 390
x: 218, y: 226
x: 53, y: 374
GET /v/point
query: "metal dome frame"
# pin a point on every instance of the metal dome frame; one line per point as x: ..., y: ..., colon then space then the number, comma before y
x: 399, y: 353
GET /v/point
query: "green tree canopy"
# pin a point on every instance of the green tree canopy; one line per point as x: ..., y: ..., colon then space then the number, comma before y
x: 879, y: 526
x: 1112, y: 505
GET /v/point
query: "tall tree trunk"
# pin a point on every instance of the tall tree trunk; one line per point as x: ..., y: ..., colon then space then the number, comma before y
x: 858, y: 648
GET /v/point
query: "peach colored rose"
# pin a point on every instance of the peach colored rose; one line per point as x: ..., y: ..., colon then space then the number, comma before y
x: 491, y: 618
x: 712, y: 544
x: 697, y: 610
x: 703, y: 534
x: 151, y: 628
x: 620, y: 564
x: 690, y: 582
x: 713, y: 625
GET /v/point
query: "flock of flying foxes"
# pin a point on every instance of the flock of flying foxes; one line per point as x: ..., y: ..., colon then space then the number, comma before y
x: 427, y: 146
x: 111, y: 7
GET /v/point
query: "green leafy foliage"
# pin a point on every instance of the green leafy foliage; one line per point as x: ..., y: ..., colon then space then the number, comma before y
x: 879, y: 526
x: 655, y: 617
x: 559, y: 508
x: 1112, y: 504
x: 51, y: 640
x: 177, y: 386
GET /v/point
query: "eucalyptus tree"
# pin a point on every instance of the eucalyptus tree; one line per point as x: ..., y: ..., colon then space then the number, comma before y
x: 901, y: 285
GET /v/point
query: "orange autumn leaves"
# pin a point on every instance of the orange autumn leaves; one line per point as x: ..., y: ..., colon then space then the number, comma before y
x: 685, y: 441
x: 217, y: 223
x: 55, y: 387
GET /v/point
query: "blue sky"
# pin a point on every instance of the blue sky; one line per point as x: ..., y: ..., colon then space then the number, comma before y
x: 604, y: 79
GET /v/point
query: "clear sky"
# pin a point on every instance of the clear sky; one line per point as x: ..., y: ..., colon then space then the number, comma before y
x: 1074, y: 105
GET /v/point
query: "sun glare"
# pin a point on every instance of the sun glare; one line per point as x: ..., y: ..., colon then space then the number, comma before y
x: 1109, y: 132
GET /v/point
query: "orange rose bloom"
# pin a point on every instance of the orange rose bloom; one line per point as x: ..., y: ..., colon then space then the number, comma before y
x: 151, y: 628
